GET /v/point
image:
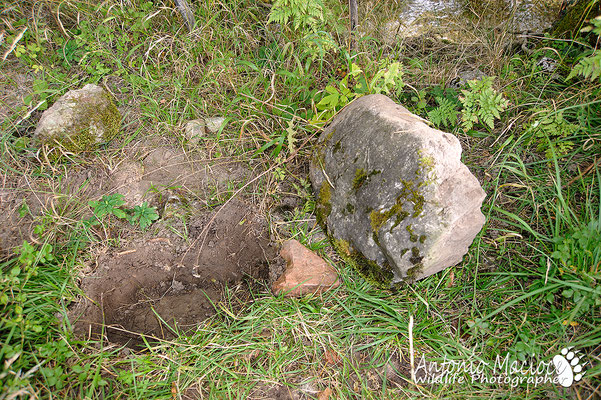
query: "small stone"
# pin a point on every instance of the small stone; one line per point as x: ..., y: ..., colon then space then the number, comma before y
x: 465, y: 76
x: 213, y: 124
x: 547, y: 64
x: 194, y: 131
x: 305, y: 272
x: 79, y: 120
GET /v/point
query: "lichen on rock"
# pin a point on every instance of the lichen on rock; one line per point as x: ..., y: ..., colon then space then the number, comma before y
x: 79, y: 121
x: 392, y: 192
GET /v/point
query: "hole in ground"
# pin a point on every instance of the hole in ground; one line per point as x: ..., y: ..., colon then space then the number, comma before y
x: 154, y: 286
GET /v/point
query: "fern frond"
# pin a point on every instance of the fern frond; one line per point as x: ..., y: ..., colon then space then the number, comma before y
x: 445, y: 114
x: 589, y: 67
x: 481, y: 104
x: 552, y: 130
x: 301, y: 13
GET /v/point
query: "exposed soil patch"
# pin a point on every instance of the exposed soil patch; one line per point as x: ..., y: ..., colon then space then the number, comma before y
x: 15, y: 223
x: 155, y: 285
x: 170, y: 277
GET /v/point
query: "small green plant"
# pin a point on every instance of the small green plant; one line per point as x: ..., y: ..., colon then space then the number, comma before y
x: 69, y: 52
x: 525, y: 347
x: 301, y: 13
x: 286, y: 136
x: 552, y: 130
x: 29, y: 50
x: 336, y: 98
x: 445, y: 114
x: 481, y: 104
x: 144, y: 215
x: 388, y: 79
x: 109, y: 205
x: 589, y: 67
x: 30, y: 255
x: 419, y: 99
x: 580, y: 250
x: 39, y: 97
x: 579, y: 257
x: 32, y: 287
x: 355, y: 84
x: 112, y: 205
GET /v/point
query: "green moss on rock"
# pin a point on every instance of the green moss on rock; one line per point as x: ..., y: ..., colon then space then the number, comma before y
x: 337, y: 147
x: 350, y: 209
x: 572, y: 20
x: 412, y: 236
x: 416, y: 258
x: 410, y: 193
x: 360, y: 178
x: 323, y: 207
x: 414, y: 272
x: 370, y: 270
x: 80, y: 136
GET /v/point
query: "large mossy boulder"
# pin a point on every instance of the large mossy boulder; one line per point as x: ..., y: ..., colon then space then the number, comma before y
x: 79, y: 121
x: 574, y: 17
x: 396, y: 200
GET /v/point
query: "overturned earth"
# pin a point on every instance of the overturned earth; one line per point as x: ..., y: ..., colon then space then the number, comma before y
x: 151, y: 283
x: 156, y: 287
x: 172, y: 277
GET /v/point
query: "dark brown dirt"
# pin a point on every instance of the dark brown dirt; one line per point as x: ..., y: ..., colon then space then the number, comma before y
x: 144, y: 283
x: 15, y: 222
x: 169, y: 277
x: 156, y: 285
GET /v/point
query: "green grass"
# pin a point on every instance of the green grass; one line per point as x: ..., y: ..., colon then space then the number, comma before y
x: 530, y: 283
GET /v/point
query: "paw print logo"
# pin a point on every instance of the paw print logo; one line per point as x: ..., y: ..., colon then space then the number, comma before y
x: 568, y: 366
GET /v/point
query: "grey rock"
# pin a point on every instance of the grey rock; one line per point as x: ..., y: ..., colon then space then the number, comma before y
x: 547, y: 64
x: 214, y: 123
x: 465, y: 76
x: 79, y: 120
x: 392, y: 192
x: 194, y: 131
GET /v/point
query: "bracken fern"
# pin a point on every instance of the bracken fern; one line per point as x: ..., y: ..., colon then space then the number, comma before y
x: 481, y: 104
x: 552, y: 130
x: 301, y: 13
x: 589, y: 67
x: 445, y: 114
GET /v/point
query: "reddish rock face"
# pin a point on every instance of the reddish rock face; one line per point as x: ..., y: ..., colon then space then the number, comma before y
x: 306, y: 272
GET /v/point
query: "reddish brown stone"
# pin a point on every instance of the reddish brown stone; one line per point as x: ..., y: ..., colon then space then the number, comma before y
x: 305, y: 272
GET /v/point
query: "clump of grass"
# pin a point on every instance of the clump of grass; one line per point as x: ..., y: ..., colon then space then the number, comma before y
x: 35, y: 288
